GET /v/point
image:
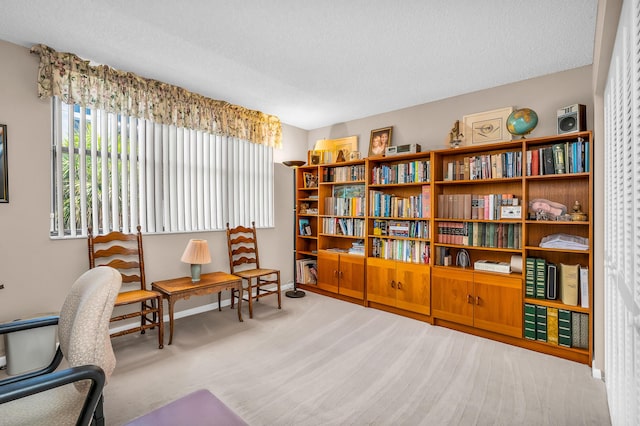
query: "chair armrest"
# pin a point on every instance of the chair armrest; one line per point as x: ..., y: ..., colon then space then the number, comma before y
x: 28, y: 324
x: 55, y: 362
x: 27, y: 387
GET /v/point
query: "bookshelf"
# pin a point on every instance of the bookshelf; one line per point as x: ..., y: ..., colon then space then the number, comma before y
x: 481, y: 202
x: 399, y: 234
x: 428, y: 219
x: 307, y: 225
x: 341, y: 229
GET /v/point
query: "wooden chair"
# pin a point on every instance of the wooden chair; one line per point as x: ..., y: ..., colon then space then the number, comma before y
x: 245, y: 263
x: 124, y: 253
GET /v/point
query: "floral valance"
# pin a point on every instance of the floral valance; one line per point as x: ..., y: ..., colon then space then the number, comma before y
x: 74, y: 80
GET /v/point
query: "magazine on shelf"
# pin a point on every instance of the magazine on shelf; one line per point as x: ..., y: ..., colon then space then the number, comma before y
x: 565, y: 241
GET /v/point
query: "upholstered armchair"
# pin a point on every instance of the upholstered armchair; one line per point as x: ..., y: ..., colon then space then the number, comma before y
x: 72, y: 395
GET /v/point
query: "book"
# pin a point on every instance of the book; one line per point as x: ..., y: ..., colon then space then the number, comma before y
x: 530, y: 277
x: 552, y: 325
x: 584, y: 286
x: 547, y: 155
x: 541, y: 278
x: 530, y: 321
x: 552, y: 282
x: 564, y: 328
x: 541, y: 323
x: 569, y: 284
x: 426, y: 201
x: 579, y: 330
x: 558, y: 158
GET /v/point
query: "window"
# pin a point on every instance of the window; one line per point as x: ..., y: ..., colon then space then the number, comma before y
x: 129, y: 171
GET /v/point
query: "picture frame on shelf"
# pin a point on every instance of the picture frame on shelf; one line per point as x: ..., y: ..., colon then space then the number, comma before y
x: 314, y: 157
x: 486, y: 127
x: 4, y: 165
x: 343, y: 147
x: 304, y: 227
x: 380, y: 140
x: 310, y: 180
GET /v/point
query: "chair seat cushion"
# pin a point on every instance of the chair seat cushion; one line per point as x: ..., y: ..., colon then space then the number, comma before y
x: 60, y: 406
x: 134, y: 296
x: 253, y: 273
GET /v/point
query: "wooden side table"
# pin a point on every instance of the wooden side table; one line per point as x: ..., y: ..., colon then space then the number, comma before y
x: 184, y: 288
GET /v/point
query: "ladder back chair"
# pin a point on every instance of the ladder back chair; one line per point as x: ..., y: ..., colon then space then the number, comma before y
x: 244, y: 262
x: 124, y: 253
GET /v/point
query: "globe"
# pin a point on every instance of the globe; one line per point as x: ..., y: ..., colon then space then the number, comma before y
x: 522, y: 121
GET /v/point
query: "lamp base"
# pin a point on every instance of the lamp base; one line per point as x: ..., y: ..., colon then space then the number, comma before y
x: 195, y: 272
x: 295, y: 294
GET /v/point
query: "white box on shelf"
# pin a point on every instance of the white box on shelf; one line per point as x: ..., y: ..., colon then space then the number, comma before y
x: 492, y: 266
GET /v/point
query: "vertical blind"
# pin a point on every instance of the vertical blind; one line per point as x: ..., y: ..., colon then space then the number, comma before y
x: 131, y: 171
x: 622, y: 221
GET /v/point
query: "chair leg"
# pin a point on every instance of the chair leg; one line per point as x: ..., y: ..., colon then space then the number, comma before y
x: 250, y: 298
x: 219, y: 301
x: 143, y: 318
x: 233, y: 298
x: 98, y: 414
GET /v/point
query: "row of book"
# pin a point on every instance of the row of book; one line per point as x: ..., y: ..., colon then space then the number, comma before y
x: 556, y: 326
x: 343, y: 226
x: 335, y: 206
x: 403, y: 250
x: 567, y: 283
x: 409, y: 172
x: 402, y: 228
x: 480, y: 234
x: 477, y: 206
x: 390, y: 205
x: 344, y: 173
x: 307, y: 271
x: 489, y: 166
x: 560, y: 158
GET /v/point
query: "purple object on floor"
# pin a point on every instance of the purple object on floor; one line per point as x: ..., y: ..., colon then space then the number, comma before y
x: 200, y: 408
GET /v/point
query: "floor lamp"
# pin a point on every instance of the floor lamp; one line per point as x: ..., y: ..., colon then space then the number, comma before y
x: 295, y: 293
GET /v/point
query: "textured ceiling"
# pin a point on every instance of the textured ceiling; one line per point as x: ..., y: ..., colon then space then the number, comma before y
x: 316, y: 63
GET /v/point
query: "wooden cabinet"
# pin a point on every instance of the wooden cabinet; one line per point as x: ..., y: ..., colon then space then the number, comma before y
x: 400, y: 285
x: 487, y: 301
x: 342, y: 274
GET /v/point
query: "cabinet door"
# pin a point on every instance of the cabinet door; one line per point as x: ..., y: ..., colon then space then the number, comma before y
x: 451, y: 295
x: 380, y: 274
x: 328, y: 268
x: 352, y: 276
x: 413, y: 287
x: 498, y: 304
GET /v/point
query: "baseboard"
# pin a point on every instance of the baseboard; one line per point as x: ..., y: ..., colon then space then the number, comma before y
x: 178, y: 314
x: 597, y: 373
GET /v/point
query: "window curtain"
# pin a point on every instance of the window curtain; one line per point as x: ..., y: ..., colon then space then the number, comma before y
x: 75, y: 81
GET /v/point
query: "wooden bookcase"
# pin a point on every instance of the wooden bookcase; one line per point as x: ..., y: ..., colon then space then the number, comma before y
x: 341, y: 229
x: 499, y: 305
x: 399, y: 234
x: 306, y: 223
x: 419, y: 255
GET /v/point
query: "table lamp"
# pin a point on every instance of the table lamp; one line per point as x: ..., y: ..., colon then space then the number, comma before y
x: 197, y: 254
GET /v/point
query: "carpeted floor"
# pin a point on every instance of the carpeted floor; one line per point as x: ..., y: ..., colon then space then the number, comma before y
x: 320, y: 361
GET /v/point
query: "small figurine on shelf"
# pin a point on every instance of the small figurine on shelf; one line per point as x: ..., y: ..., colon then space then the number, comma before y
x: 455, y: 137
x: 577, y: 213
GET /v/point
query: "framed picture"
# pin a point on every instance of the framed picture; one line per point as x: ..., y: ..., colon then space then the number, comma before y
x: 315, y: 158
x: 310, y: 180
x: 4, y: 165
x: 486, y: 127
x: 342, y: 148
x: 380, y: 140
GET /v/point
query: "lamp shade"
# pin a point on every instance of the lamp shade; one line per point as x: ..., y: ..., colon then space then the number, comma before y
x: 196, y: 253
x: 324, y: 145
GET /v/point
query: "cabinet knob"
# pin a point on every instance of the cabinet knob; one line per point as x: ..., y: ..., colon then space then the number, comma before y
x: 341, y: 274
x: 477, y: 300
x: 469, y: 298
x: 399, y: 285
x: 335, y: 273
x: 393, y: 284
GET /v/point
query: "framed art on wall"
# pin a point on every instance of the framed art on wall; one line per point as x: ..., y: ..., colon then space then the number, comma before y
x: 486, y: 127
x: 4, y: 164
x: 380, y: 140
